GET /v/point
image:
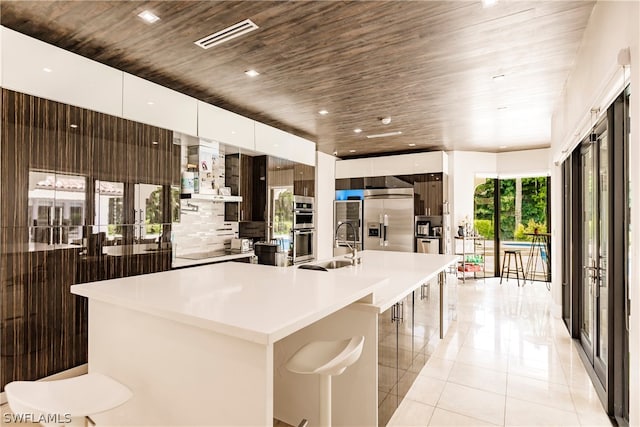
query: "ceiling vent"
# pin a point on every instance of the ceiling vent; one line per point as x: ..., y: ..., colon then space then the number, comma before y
x: 227, y: 34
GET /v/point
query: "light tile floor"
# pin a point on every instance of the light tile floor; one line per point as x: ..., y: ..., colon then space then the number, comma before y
x: 506, y: 361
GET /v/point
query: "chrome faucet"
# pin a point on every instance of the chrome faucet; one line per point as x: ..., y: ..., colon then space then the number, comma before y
x: 355, y: 259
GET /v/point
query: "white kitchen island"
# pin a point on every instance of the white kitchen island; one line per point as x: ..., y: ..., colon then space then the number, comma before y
x: 205, y: 345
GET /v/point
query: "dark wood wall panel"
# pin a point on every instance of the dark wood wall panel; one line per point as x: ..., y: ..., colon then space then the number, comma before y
x: 43, y: 327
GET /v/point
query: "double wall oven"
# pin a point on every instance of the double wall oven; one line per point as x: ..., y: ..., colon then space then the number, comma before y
x: 303, y: 229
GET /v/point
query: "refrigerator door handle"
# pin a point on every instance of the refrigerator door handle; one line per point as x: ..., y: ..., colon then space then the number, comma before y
x: 386, y: 224
x: 380, y: 231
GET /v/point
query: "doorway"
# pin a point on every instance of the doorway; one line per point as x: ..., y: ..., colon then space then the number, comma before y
x: 593, y: 306
x: 595, y: 248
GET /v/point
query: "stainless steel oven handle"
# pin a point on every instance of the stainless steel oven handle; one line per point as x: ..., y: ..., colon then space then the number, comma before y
x: 303, y: 231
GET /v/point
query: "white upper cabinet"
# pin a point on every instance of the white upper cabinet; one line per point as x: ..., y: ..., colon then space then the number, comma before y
x: 432, y: 162
x: 391, y: 165
x: 224, y: 126
x: 157, y: 105
x: 354, y: 168
x: 305, y: 151
x: 1, y: 31
x: 40, y: 69
x: 404, y: 164
x: 276, y: 142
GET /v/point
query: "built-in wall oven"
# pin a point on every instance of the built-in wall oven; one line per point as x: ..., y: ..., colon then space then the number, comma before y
x: 302, y: 245
x: 303, y: 229
x: 302, y: 212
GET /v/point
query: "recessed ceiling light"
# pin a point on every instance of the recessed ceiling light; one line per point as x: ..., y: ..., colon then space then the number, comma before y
x: 502, y: 147
x: 382, y: 135
x: 335, y: 153
x: 352, y: 151
x: 47, y: 70
x: 323, y: 112
x: 412, y: 145
x: 148, y: 16
x: 386, y: 120
x: 489, y: 3
x: 154, y: 142
x: 150, y: 102
x: 498, y: 78
x: 252, y: 73
x: 73, y: 126
x: 357, y: 130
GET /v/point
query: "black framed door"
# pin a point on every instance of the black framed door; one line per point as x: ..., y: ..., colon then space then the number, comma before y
x: 595, y: 232
x: 595, y: 275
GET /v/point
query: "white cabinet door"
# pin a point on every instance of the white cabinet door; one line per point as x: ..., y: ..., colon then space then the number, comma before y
x: 432, y: 162
x: 157, y: 105
x: 304, y: 151
x: 40, y: 69
x: 272, y: 141
x: 392, y: 165
x: 224, y: 126
x: 354, y: 168
x: 276, y: 142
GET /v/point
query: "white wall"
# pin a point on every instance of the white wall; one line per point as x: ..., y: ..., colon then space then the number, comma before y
x: 325, y: 195
x: 463, y: 168
x: 526, y: 162
x: 612, y: 27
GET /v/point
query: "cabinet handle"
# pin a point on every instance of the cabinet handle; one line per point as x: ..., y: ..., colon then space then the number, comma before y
x: 385, y: 224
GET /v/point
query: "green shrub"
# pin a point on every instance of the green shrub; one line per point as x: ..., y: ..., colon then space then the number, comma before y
x: 522, y: 231
x: 484, y: 227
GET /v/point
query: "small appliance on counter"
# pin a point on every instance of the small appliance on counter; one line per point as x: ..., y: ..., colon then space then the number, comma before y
x: 428, y: 234
x: 240, y: 246
x: 271, y: 254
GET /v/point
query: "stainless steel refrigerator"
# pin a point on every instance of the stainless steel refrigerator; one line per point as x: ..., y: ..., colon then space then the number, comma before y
x: 347, y: 211
x: 388, y: 219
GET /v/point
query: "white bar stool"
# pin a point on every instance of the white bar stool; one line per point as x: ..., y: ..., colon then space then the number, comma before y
x: 66, y: 402
x: 326, y: 359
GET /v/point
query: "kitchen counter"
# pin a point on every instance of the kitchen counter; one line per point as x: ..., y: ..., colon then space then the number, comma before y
x: 39, y: 247
x: 253, y: 302
x: 211, y: 340
x: 405, y: 272
x: 180, y: 262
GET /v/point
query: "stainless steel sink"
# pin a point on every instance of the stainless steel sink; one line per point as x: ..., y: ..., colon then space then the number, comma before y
x: 333, y: 264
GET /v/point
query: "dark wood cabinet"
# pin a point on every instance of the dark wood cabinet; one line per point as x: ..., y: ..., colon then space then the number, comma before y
x: 150, y: 158
x: 258, y: 200
x: 43, y: 324
x: 109, y: 148
x: 429, y: 194
x: 67, y: 149
x: 74, y: 150
x: 304, y: 180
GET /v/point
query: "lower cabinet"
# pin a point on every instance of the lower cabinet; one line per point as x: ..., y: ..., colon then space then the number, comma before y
x: 408, y: 333
x: 43, y: 323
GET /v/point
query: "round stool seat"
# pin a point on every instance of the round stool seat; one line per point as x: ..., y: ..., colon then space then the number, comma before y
x: 79, y: 396
x: 326, y: 357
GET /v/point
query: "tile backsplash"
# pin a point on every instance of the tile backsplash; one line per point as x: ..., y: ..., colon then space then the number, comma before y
x: 202, y: 227
x: 204, y: 230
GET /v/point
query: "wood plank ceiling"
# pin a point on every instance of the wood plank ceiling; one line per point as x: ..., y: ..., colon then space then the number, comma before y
x: 429, y: 65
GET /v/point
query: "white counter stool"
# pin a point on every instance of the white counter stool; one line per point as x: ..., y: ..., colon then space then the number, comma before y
x: 66, y: 402
x: 326, y: 359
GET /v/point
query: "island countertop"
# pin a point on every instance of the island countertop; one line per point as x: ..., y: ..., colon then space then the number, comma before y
x: 262, y: 303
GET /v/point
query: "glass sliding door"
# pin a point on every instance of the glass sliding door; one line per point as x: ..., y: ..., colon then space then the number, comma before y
x: 595, y: 233
x: 484, y: 220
